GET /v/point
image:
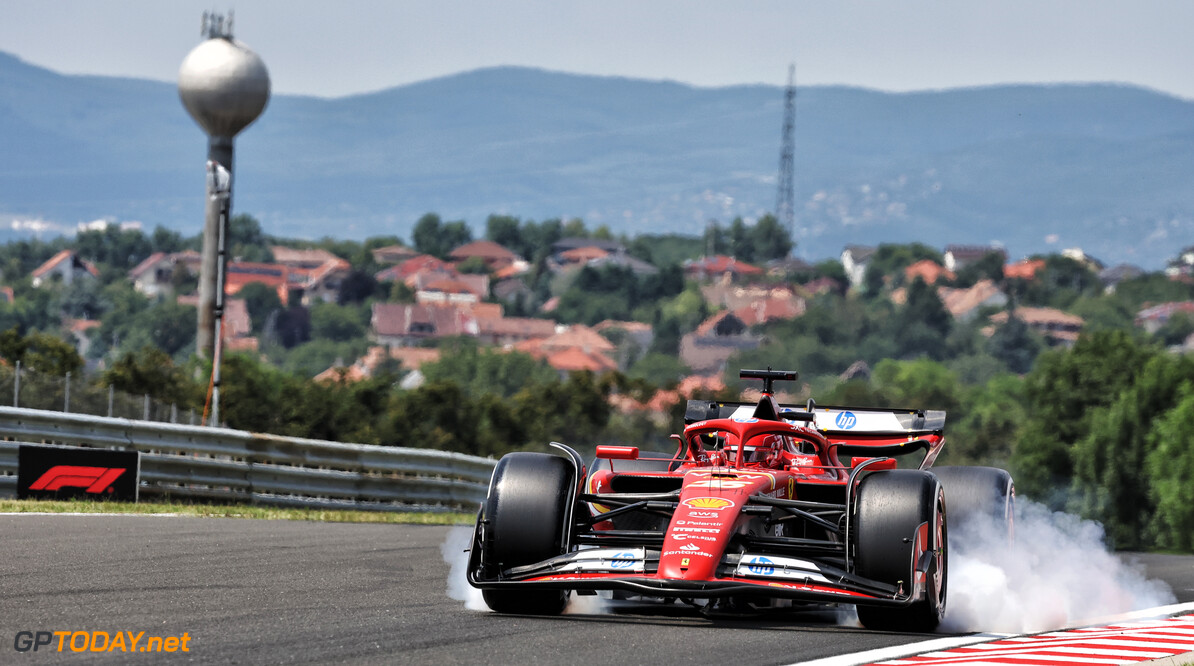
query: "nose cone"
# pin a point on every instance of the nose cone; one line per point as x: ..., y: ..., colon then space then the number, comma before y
x: 223, y: 85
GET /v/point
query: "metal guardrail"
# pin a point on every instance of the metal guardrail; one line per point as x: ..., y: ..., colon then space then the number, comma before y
x: 224, y: 464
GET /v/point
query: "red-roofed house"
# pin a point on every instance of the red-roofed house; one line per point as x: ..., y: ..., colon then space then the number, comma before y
x: 64, y: 267
x: 495, y: 256
x: 1025, y: 269
x: 393, y: 254
x: 770, y: 309
x: 720, y: 266
x: 1151, y: 319
x: 964, y: 304
x: 513, y: 330
x: 276, y: 276
x: 423, y: 262
x: 155, y: 275
x: 707, y: 349
x: 927, y: 270
x: 323, y: 282
x: 405, y: 325
x: 309, y: 259
x: 1057, y: 326
x: 410, y: 358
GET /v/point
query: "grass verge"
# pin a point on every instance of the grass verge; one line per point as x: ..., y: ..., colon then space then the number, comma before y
x: 234, y: 511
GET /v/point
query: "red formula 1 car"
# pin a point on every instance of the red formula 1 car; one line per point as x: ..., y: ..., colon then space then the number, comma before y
x: 762, y: 505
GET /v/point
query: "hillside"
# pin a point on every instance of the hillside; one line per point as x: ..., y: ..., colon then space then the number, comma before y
x: 1103, y: 167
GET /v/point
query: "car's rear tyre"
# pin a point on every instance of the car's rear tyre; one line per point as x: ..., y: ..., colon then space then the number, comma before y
x: 529, y: 495
x: 891, y: 507
x: 979, y: 499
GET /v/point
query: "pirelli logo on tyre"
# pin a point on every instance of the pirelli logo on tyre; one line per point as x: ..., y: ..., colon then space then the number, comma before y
x: 65, y: 472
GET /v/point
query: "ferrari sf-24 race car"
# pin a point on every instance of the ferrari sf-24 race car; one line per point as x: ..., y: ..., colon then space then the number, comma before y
x: 762, y: 506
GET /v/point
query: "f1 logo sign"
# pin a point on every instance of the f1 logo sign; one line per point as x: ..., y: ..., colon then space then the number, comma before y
x: 91, y: 479
x: 61, y: 472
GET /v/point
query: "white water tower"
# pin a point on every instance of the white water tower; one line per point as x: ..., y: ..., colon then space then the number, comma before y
x: 225, y: 87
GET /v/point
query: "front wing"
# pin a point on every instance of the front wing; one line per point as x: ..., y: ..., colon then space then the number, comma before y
x: 748, y: 574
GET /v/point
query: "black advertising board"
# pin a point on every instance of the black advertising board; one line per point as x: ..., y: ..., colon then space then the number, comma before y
x: 61, y: 472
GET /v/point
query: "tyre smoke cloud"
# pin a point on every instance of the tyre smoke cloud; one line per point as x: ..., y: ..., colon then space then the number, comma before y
x: 455, y: 554
x: 1057, y: 573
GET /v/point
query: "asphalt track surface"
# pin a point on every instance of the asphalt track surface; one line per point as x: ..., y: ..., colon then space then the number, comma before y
x: 259, y: 592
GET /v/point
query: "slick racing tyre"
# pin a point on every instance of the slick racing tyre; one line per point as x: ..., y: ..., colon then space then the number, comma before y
x: 891, y: 506
x: 524, y: 513
x: 979, y: 499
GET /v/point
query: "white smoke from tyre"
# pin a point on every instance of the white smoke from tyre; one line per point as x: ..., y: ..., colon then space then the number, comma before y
x: 455, y: 554
x: 1057, y: 573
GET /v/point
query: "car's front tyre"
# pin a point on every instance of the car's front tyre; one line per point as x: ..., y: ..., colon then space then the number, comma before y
x: 529, y: 495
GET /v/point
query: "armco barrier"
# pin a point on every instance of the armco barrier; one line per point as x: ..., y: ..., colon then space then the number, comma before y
x: 223, y: 464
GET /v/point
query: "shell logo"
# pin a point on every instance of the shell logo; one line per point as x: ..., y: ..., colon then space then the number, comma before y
x: 708, y: 503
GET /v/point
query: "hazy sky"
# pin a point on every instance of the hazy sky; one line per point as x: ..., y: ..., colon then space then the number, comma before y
x: 350, y: 46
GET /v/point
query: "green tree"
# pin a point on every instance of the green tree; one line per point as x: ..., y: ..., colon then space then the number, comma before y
x: 151, y: 371
x: 770, y: 239
x: 339, y: 323
x: 433, y: 236
x: 1015, y: 344
x: 659, y: 369
x: 1064, y: 389
x: 262, y: 301
x: 246, y: 240
x: 1111, y: 475
x: 1170, y: 468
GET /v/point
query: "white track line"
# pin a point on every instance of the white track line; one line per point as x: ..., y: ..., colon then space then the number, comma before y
x: 62, y: 513
x: 945, y: 643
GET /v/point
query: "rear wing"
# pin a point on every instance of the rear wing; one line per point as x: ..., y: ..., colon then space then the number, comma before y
x: 831, y: 420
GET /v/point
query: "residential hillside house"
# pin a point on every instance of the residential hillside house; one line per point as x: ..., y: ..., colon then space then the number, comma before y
x: 958, y: 257
x: 1111, y: 277
x: 1182, y: 264
x: 1151, y: 319
x: 393, y: 254
x: 407, y: 324
x: 155, y: 276
x: 927, y: 270
x: 720, y: 267
x: 706, y: 350
x: 493, y: 255
x: 66, y: 267
x: 1059, y: 328
x: 408, y: 358
x: 574, y: 243
x: 308, y: 259
x: 855, y: 260
x: 509, y: 331
x: 964, y: 304
x: 1025, y: 269
x: 572, y: 349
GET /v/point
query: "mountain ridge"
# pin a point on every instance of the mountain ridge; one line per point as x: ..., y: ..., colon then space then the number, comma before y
x: 1101, y: 166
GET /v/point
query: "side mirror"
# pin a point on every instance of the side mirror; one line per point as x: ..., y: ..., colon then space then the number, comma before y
x: 617, y: 452
x: 890, y: 463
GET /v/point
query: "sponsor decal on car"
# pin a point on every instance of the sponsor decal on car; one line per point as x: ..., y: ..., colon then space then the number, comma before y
x: 845, y: 420
x: 706, y: 523
x: 690, y: 547
x: 709, y: 503
x: 719, y: 483
x: 760, y: 566
x: 698, y: 537
x: 687, y: 553
x: 704, y: 514
x: 623, y: 560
